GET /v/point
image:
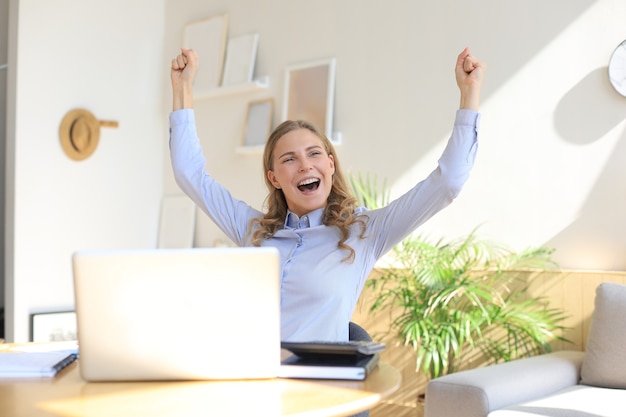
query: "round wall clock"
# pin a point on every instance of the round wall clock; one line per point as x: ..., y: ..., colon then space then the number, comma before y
x: 617, y: 69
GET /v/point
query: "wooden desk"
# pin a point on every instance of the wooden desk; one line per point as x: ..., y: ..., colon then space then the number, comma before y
x: 68, y: 395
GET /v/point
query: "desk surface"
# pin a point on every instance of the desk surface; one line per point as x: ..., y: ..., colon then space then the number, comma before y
x: 69, y: 395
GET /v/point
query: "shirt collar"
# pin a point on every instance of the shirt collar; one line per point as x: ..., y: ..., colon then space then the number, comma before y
x: 312, y: 219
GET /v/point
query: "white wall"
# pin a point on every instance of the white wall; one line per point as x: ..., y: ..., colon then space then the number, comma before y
x: 553, y: 142
x: 105, y: 57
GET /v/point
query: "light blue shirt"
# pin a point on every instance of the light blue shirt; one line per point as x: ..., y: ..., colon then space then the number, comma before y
x: 319, y: 290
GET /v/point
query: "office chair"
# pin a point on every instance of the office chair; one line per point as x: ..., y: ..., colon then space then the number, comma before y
x: 358, y: 333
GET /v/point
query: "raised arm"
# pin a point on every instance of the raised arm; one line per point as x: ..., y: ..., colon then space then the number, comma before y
x: 231, y: 215
x: 182, y: 74
x: 405, y: 214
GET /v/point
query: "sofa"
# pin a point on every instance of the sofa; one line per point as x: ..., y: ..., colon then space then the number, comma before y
x: 558, y: 384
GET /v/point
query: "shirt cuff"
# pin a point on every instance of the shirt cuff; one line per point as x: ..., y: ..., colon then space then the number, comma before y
x: 182, y: 117
x: 468, y: 118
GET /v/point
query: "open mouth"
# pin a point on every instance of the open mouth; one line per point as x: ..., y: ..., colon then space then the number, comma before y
x: 310, y: 184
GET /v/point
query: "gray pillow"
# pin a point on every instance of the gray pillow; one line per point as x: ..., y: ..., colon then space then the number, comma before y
x: 604, y: 364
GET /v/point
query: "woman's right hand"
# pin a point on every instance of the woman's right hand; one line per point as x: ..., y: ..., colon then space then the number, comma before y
x: 182, y: 73
x: 469, y: 77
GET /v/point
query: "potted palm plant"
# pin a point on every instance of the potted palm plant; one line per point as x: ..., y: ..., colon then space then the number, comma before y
x: 468, y: 294
x: 450, y: 298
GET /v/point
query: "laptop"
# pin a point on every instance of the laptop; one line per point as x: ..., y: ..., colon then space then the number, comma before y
x: 178, y: 314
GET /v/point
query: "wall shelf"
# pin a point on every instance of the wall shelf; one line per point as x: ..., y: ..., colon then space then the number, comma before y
x: 251, y: 87
x: 257, y: 85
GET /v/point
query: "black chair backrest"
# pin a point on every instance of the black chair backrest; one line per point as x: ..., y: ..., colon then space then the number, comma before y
x: 358, y: 333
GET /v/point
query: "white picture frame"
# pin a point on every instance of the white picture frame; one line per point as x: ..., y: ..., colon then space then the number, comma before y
x: 258, y: 122
x: 309, y: 93
x: 54, y: 326
x: 240, y: 59
x: 177, y: 222
x: 208, y: 38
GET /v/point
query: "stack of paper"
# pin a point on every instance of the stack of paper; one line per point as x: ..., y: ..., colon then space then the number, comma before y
x: 296, y: 367
x: 16, y: 364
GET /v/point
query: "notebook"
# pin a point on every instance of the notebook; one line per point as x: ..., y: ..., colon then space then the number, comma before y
x: 328, y: 360
x: 178, y: 314
x: 356, y: 369
x: 16, y: 364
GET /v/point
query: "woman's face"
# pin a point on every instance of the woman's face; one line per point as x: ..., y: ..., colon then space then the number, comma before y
x: 303, y: 170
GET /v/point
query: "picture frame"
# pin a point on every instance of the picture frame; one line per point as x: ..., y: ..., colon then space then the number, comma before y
x: 53, y: 326
x: 208, y: 38
x: 177, y: 222
x: 240, y: 59
x: 309, y: 93
x: 258, y: 122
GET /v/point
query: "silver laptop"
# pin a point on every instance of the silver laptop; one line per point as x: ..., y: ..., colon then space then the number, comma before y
x: 178, y: 314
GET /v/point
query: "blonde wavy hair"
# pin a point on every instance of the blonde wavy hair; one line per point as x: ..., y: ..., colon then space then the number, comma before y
x: 341, y: 204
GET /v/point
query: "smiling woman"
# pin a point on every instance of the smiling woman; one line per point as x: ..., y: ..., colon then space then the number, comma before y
x: 328, y: 244
x: 301, y: 166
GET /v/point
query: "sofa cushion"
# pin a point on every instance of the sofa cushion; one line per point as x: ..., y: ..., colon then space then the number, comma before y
x: 604, y: 364
x: 576, y: 401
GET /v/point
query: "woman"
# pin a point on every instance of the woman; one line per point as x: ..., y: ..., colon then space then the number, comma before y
x: 328, y: 246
